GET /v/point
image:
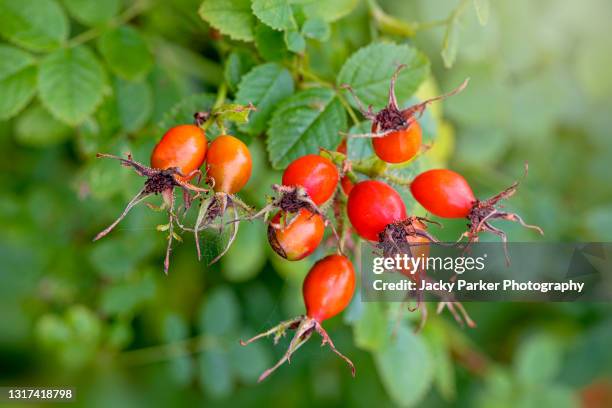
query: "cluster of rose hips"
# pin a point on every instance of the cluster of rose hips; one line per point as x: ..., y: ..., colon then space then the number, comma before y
x: 310, y: 183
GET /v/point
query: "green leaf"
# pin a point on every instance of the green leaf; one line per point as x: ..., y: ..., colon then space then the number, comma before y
x: 274, y: 13
x: 359, y: 147
x: 450, y: 44
x: 371, y: 328
x: 231, y: 17
x: 369, y: 72
x: 37, y: 128
x: 38, y: 25
x: 305, y: 122
x: 264, y: 86
x: 92, y: 12
x: 183, y: 111
x: 316, y: 28
x: 405, y: 368
x: 238, y: 63
x: 270, y: 43
x: 71, y: 83
x: 215, y: 373
x: 295, y: 41
x: 328, y: 10
x: 17, y: 80
x: 126, y: 52
x: 482, y: 11
x: 220, y: 313
x: 538, y: 360
x: 134, y: 103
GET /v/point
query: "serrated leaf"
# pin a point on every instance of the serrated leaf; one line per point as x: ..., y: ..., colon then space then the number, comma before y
x: 369, y: 71
x: 295, y: 41
x: 305, y: 122
x: 134, y: 103
x: 71, y: 83
x: 38, y: 25
x: 328, y: 10
x: 316, y: 28
x: 405, y: 368
x: 450, y: 44
x: 264, y: 86
x: 17, y: 80
x: 274, y: 13
x: 270, y: 43
x: 126, y: 52
x: 36, y: 127
x: 482, y: 11
x: 238, y: 63
x: 231, y: 17
x: 92, y: 12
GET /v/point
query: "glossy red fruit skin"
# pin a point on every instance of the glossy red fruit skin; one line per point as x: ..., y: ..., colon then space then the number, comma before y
x: 443, y: 193
x: 345, y: 182
x: 328, y: 287
x: 182, y: 146
x: 299, y: 239
x: 229, y: 164
x: 399, y: 146
x: 316, y: 174
x: 371, y: 206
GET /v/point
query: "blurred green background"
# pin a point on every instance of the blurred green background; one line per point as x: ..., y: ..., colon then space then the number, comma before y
x: 104, y: 319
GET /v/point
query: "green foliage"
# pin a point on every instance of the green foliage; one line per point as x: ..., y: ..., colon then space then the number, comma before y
x: 264, y: 86
x: 71, y: 83
x: 38, y: 25
x: 78, y: 77
x: 92, y: 13
x: 305, y: 122
x: 230, y: 17
x: 274, y: 13
x: 17, y: 80
x: 126, y: 52
x: 368, y: 72
x: 405, y: 367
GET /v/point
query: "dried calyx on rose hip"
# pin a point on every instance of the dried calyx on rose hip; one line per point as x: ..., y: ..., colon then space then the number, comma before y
x: 327, y: 290
x: 308, y: 182
x: 447, y: 194
x: 410, y: 237
x: 396, y: 135
x: 228, y: 169
x: 175, y: 160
